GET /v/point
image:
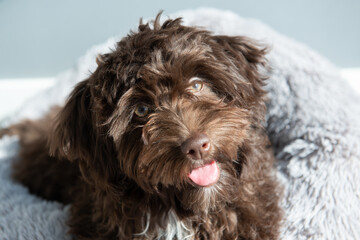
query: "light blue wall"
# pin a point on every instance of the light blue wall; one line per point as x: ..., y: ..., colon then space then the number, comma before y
x: 40, y: 38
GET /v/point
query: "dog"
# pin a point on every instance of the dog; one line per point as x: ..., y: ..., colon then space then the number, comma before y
x: 164, y: 140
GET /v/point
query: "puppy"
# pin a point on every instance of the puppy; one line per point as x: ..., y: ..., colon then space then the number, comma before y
x: 165, y: 140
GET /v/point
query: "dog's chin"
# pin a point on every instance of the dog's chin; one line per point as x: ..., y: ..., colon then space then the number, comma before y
x: 192, y: 186
x: 201, y: 200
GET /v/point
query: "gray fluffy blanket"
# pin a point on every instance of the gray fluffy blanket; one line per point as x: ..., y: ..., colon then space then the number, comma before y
x: 313, y: 121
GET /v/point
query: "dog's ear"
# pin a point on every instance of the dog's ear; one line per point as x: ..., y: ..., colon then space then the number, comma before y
x: 244, y: 51
x: 248, y: 47
x: 72, y: 131
x: 244, y: 59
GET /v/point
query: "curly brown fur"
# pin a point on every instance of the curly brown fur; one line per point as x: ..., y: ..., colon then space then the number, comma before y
x: 126, y: 173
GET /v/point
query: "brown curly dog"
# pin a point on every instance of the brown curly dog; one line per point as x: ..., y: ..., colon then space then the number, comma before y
x: 163, y: 141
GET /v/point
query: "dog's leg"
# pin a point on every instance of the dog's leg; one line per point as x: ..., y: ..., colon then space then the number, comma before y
x: 44, y: 175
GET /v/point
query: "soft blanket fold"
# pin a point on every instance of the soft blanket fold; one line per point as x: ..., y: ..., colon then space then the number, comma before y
x: 313, y: 121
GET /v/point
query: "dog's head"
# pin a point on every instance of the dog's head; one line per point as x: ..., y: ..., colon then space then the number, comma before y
x: 170, y: 109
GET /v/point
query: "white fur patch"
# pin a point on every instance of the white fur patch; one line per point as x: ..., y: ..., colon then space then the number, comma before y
x: 175, y: 229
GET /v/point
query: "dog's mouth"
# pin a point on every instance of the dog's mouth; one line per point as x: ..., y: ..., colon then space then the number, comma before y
x: 206, y: 175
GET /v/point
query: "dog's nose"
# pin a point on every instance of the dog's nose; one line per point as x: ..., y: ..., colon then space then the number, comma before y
x: 197, y: 147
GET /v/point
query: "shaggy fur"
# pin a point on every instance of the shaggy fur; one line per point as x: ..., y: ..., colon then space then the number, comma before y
x: 126, y: 173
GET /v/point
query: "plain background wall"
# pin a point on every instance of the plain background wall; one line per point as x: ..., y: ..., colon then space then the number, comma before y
x: 40, y: 38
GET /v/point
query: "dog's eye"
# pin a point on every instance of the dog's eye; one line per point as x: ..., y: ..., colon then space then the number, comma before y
x: 141, y: 111
x: 196, y: 86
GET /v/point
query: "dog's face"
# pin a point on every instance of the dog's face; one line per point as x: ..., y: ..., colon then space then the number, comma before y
x: 171, y: 109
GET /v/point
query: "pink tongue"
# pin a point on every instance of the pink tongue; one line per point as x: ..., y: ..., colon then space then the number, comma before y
x: 206, y: 175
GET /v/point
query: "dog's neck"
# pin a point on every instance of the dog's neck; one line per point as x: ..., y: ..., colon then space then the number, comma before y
x: 177, y: 227
x: 163, y: 216
x: 173, y: 220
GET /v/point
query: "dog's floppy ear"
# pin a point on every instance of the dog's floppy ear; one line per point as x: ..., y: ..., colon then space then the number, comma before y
x: 244, y: 57
x: 244, y: 50
x: 72, y: 132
